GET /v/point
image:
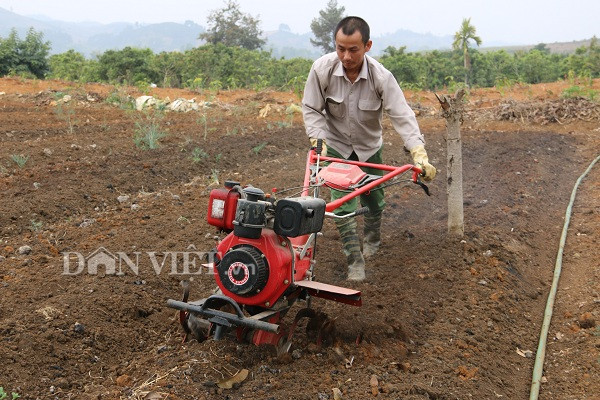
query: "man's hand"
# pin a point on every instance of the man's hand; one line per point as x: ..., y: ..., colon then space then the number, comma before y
x: 421, y: 160
x: 313, y: 143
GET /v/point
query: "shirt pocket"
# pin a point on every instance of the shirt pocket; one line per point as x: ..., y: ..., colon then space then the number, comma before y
x: 335, y: 107
x: 369, y: 112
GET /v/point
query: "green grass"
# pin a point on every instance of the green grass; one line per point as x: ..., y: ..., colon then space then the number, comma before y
x: 149, y: 132
x: 578, y: 91
x: 36, y: 225
x: 4, y: 395
x: 19, y: 159
x: 199, y: 155
x: 257, y: 149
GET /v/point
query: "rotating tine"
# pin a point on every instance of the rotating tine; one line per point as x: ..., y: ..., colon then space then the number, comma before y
x: 184, y: 315
x: 285, y: 345
x: 305, y: 312
x: 327, y: 330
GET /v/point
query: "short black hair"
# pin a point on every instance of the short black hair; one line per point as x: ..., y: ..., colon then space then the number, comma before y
x: 349, y: 25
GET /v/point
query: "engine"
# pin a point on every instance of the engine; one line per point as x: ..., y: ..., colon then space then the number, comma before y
x: 266, y: 248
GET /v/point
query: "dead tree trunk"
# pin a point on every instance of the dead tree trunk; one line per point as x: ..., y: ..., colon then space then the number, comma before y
x: 453, y: 113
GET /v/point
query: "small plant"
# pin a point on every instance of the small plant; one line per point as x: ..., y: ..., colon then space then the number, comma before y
x: 197, y: 84
x: 183, y: 219
x: 199, y: 155
x: 257, y: 149
x: 578, y: 91
x: 121, y: 99
x: 215, y: 86
x: 218, y: 158
x: 504, y: 83
x: 214, y: 177
x: 4, y: 395
x: 36, y: 225
x: 143, y: 86
x: 296, y: 84
x: 232, y: 132
x: 19, y: 159
x: 201, y: 120
x: 454, y: 86
x: 148, y: 131
x: 65, y: 110
x: 290, y: 111
x: 283, y: 124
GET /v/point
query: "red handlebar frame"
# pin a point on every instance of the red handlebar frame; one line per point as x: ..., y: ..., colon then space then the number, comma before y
x: 392, y: 172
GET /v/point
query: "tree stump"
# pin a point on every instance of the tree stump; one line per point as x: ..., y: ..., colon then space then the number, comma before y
x: 453, y: 114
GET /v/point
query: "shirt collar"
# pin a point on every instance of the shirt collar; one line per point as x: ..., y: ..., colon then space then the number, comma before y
x: 363, y: 74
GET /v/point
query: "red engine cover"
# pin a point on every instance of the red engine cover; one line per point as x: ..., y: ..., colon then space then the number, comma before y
x: 278, y: 255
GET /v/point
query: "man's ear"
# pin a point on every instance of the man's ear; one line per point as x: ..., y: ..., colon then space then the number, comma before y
x: 368, y: 45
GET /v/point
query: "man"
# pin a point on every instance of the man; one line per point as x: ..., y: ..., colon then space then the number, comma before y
x: 344, y: 98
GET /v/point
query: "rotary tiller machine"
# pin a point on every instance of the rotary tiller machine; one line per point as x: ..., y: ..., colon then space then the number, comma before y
x: 266, y: 263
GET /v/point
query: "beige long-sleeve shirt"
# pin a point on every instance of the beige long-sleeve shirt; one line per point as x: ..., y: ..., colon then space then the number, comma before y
x: 349, y: 115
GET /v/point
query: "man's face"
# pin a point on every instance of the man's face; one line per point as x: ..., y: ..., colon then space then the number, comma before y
x: 351, y: 50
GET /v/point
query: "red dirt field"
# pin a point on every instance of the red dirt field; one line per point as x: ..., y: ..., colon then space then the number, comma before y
x: 442, y: 318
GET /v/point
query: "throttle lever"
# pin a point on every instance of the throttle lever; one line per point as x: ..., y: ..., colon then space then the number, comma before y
x: 319, y: 148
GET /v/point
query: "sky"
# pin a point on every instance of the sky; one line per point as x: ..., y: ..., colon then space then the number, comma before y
x: 505, y: 21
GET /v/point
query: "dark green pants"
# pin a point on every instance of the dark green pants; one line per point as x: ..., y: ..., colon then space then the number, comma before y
x: 373, y: 199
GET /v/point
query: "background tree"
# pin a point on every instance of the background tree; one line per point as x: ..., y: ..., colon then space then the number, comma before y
x: 128, y: 66
x: 323, y: 26
x: 229, y: 26
x: 28, y: 56
x: 461, y: 42
x: 8, y: 53
x: 67, y: 66
x: 169, y: 66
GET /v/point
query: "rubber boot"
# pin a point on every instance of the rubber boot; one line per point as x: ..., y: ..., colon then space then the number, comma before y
x: 351, y: 246
x: 372, y: 234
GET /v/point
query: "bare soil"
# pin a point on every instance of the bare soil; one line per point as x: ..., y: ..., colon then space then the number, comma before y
x: 442, y: 318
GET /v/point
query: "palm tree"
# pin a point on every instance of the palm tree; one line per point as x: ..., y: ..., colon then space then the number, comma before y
x: 461, y: 42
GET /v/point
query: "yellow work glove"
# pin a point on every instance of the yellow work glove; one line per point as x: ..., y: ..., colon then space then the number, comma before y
x: 421, y: 160
x: 313, y: 143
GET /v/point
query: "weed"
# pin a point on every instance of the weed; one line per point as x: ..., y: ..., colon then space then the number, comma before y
x: 65, y: 110
x: 36, y: 225
x: 232, y: 132
x: 19, y: 159
x: 218, y: 158
x: 258, y: 148
x: 214, y: 177
x: 148, y: 131
x: 199, y: 155
x: 201, y: 120
x: 296, y: 84
x: 183, y: 219
x: 283, y: 124
x: 4, y: 395
x: 578, y: 91
x: 215, y: 86
x: 197, y: 84
x: 143, y: 86
x: 453, y: 86
x: 504, y: 83
x: 120, y: 98
x: 290, y: 111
